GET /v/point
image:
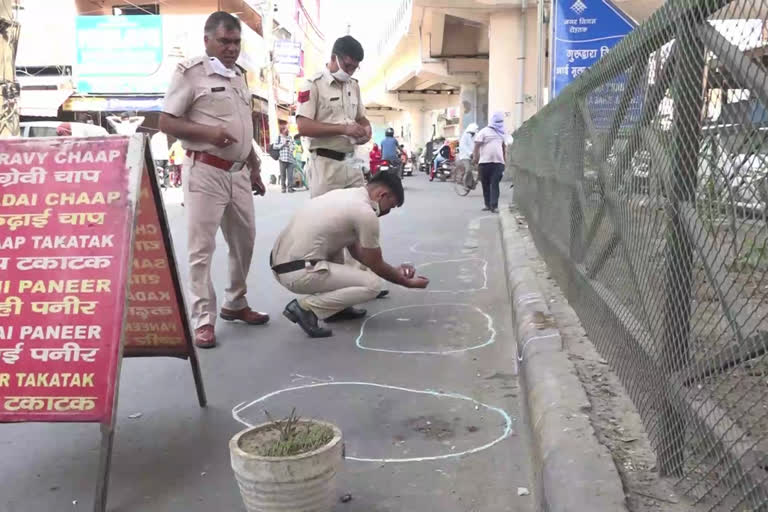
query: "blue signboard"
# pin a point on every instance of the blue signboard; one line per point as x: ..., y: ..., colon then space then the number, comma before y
x: 117, y: 54
x: 584, y: 31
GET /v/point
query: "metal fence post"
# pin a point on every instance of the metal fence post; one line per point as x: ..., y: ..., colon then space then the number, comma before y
x: 688, y: 99
x: 576, y: 157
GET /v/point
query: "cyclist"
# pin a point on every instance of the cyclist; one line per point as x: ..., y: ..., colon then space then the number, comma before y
x: 466, y: 149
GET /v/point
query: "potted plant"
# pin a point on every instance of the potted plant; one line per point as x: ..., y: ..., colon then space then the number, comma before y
x: 288, y: 464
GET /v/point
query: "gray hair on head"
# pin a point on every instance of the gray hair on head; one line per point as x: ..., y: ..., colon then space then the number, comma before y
x: 221, y: 18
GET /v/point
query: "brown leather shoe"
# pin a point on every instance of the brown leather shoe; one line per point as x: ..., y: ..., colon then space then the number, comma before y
x: 246, y: 315
x: 205, y: 337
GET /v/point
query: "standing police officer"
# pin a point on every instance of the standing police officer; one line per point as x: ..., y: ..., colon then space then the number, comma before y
x: 332, y: 116
x: 208, y: 107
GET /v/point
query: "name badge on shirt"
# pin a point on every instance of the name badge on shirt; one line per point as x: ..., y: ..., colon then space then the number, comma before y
x: 217, y: 89
x: 337, y: 98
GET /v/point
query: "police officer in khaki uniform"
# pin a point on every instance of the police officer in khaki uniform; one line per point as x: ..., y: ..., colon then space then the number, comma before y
x: 308, y: 256
x: 331, y: 115
x: 208, y: 107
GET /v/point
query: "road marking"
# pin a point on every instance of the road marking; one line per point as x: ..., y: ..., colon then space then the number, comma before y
x: 490, y: 340
x: 414, y: 249
x: 466, y: 290
x: 501, y: 412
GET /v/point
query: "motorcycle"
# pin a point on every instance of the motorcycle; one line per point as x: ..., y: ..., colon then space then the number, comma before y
x: 386, y: 166
x: 444, y: 171
x: 424, y: 163
x: 408, y: 169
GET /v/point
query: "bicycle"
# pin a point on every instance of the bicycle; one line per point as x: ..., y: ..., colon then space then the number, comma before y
x: 466, y: 180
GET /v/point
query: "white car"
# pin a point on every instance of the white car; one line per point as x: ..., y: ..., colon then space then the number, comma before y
x: 59, y: 128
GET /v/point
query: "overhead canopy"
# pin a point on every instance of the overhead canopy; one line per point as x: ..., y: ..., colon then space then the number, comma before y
x: 42, y: 102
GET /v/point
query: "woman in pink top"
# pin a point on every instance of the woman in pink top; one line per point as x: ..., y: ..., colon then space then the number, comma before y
x: 489, y: 154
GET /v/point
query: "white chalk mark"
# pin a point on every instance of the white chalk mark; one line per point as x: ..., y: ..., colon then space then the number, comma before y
x: 491, y: 329
x: 297, y: 376
x: 466, y: 290
x: 440, y: 394
x: 414, y: 249
x: 534, y: 338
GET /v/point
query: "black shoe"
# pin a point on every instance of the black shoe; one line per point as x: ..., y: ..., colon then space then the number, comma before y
x: 349, y: 313
x: 486, y: 209
x: 382, y: 294
x: 494, y: 210
x: 290, y: 190
x: 283, y: 191
x: 307, y: 320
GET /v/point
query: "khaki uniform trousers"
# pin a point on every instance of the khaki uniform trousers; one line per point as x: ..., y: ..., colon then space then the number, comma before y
x: 327, y: 174
x: 331, y: 287
x: 215, y: 198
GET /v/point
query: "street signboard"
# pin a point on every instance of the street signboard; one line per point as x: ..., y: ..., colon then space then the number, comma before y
x: 66, y: 219
x: 287, y: 57
x: 88, y: 276
x: 156, y: 323
x: 584, y: 31
x: 112, y: 49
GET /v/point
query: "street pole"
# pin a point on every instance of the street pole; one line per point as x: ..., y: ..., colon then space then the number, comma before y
x: 9, y: 30
x: 268, y: 29
x: 540, y: 51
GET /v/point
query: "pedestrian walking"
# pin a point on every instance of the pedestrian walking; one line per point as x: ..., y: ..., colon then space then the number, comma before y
x: 331, y: 115
x: 287, y: 162
x: 308, y: 256
x: 208, y: 107
x: 489, y: 151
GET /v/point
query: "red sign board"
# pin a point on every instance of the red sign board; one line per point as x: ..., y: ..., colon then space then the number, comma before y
x: 156, y: 324
x: 66, y: 220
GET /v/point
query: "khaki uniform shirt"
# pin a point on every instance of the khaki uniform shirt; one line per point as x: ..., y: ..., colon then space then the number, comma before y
x: 200, y: 95
x: 327, y: 100
x: 326, y: 225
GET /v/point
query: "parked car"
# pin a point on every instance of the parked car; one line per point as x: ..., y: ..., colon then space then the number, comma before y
x: 59, y: 129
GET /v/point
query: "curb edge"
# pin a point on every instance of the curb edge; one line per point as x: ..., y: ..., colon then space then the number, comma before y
x: 572, y: 470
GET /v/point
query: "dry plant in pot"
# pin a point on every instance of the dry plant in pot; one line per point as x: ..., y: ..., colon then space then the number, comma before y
x: 287, y: 464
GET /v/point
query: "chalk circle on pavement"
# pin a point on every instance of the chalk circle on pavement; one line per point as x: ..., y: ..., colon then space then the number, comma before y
x: 457, y: 276
x: 454, y: 328
x: 391, y: 424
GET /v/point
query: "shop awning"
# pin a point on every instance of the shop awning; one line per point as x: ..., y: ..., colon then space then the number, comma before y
x: 42, y: 102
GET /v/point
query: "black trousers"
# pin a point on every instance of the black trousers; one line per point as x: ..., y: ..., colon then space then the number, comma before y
x: 490, y: 176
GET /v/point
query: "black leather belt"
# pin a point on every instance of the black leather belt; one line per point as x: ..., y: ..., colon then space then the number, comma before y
x: 291, y: 266
x: 329, y: 153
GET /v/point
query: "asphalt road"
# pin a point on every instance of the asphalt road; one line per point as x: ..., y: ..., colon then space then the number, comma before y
x: 425, y: 389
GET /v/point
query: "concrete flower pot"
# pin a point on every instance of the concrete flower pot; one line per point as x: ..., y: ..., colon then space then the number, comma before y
x: 299, y: 483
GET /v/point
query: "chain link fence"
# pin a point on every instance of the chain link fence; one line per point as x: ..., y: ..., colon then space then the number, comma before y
x: 645, y: 185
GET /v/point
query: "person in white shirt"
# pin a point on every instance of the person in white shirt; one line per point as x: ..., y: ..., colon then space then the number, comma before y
x: 125, y: 124
x: 466, y: 150
x: 489, y: 151
x: 158, y: 146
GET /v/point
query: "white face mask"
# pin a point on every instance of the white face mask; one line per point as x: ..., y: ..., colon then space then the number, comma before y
x: 340, y: 75
x: 221, y: 69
